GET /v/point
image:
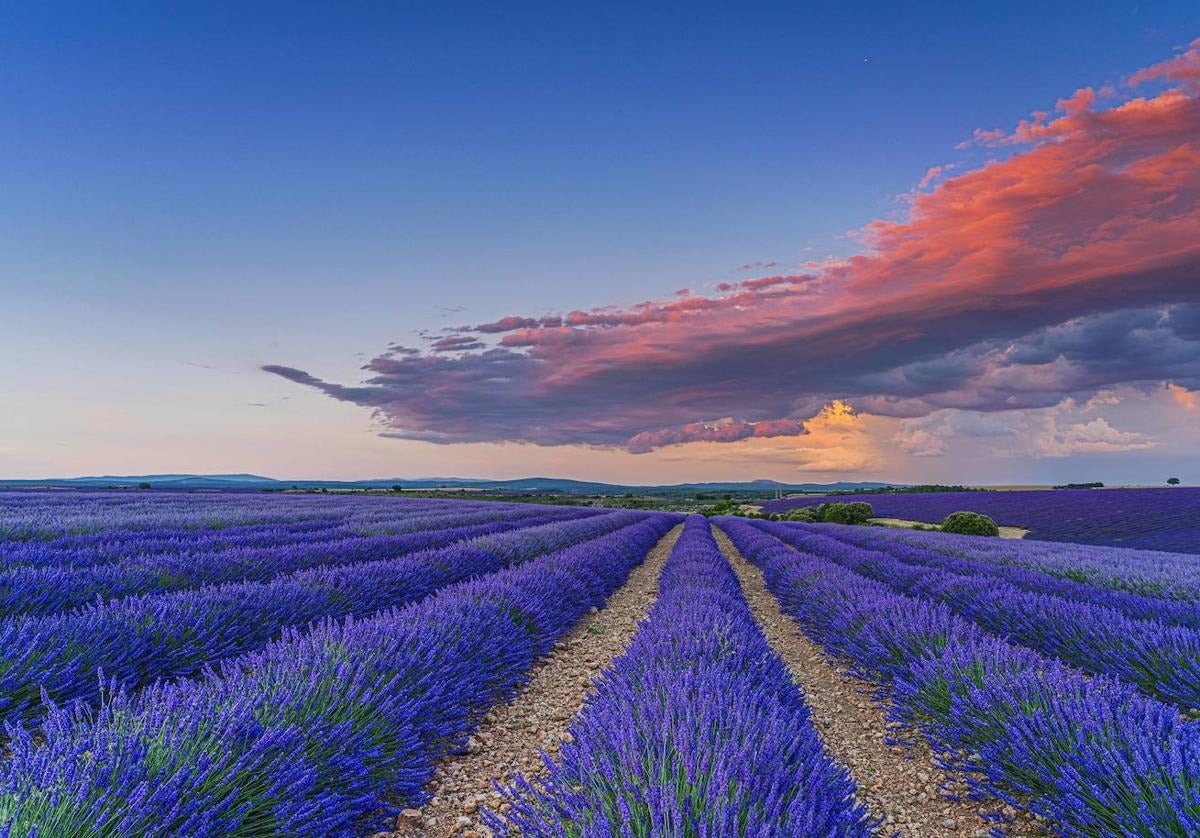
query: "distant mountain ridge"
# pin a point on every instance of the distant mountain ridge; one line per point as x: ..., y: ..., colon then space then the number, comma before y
x: 527, y: 484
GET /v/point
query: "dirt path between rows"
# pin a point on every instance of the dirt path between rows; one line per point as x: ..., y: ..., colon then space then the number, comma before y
x: 510, y: 737
x: 898, y: 783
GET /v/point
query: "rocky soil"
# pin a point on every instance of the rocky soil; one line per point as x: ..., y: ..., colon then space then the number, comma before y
x: 899, y: 783
x: 511, y: 736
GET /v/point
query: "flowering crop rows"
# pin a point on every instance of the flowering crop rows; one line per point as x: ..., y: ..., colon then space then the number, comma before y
x: 299, y: 664
x: 696, y: 730
x: 1089, y: 752
x: 46, y: 590
x: 138, y: 639
x: 45, y: 516
x: 1143, y: 519
x: 1164, y: 661
x: 321, y: 732
x: 967, y: 555
x: 1149, y: 573
x: 109, y: 547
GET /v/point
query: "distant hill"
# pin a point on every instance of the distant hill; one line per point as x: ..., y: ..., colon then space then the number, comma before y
x: 524, y: 484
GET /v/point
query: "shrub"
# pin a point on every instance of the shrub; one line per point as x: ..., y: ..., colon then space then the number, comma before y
x: 721, y: 507
x: 831, y: 513
x: 861, y: 511
x: 970, y: 523
x: 846, y: 513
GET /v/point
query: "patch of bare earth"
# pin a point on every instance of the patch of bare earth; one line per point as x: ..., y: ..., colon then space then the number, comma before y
x: 509, y: 739
x: 898, y: 782
x: 904, y: 523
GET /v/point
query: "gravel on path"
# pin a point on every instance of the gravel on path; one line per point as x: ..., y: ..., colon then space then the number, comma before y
x: 898, y: 782
x: 511, y: 736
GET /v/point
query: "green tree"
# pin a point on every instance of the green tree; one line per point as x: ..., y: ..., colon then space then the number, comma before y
x: 970, y: 523
x: 1172, y: 481
x: 846, y: 513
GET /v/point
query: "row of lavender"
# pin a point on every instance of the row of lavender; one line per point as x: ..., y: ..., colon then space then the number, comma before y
x: 1160, y: 659
x: 1145, y: 519
x: 138, y: 639
x: 205, y: 523
x: 47, y: 515
x: 1149, y: 573
x: 697, y: 729
x: 322, y: 732
x: 1143, y: 584
x: 57, y: 587
x: 1090, y: 752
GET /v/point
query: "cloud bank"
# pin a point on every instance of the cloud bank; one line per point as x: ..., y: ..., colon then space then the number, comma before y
x: 1067, y: 265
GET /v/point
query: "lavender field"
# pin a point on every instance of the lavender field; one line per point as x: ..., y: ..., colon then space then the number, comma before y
x: 217, y: 664
x: 506, y: 420
x: 1144, y: 519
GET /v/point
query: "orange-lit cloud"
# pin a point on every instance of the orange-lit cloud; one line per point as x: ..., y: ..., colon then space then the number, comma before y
x: 1069, y: 266
x: 837, y: 440
x: 1187, y: 399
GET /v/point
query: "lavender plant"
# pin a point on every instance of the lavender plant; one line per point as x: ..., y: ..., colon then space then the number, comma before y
x: 1145, y: 519
x: 1149, y: 573
x: 46, y: 590
x: 323, y: 732
x: 968, y: 558
x: 1161, y: 660
x: 1090, y: 754
x: 138, y: 639
x: 697, y: 730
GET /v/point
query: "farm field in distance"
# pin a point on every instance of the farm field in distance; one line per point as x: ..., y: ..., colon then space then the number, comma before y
x: 267, y: 664
x: 1165, y: 518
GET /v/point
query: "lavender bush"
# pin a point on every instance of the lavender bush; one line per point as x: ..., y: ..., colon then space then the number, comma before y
x: 1163, y: 661
x: 139, y: 639
x: 1090, y: 754
x: 1174, y: 576
x: 41, y: 516
x: 118, y: 545
x: 46, y: 590
x: 321, y: 733
x: 968, y: 556
x: 697, y: 730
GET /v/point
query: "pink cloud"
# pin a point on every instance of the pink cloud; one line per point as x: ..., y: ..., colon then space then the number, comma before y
x: 723, y: 431
x: 1185, y: 398
x: 1010, y: 286
x: 933, y: 173
x: 507, y: 324
x: 1183, y: 68
x: 456, y: 343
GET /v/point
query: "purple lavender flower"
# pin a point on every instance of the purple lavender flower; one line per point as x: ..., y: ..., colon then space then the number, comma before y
x: 696, y: 730
x: 1144, y: 519
x: 321, y: 732
x: 1089, y: 753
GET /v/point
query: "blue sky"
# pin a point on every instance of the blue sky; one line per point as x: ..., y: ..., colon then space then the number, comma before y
x: 191, y: 193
